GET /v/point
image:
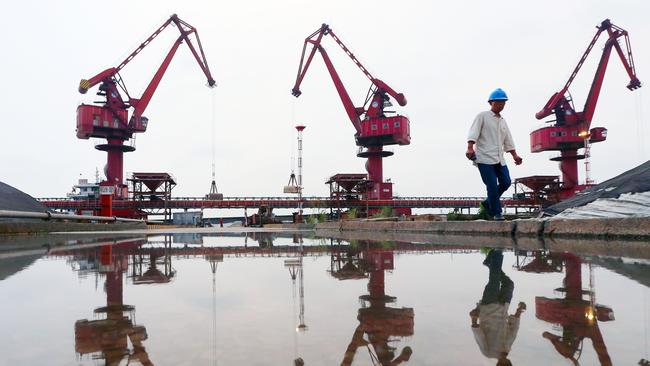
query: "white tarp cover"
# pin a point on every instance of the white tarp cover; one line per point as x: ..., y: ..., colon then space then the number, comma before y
x: 625, y: 195
x: 626, y: 205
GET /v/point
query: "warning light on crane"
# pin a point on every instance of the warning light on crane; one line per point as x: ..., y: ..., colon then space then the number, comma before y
x: 110, y: 119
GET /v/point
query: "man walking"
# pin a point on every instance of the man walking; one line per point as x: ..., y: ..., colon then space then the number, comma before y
x: 488, y: 138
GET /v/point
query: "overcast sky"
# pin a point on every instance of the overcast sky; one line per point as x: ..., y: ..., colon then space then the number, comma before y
x: 446, y: 57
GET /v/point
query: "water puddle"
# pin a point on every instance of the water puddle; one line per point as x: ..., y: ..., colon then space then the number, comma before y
x: 285, y: 299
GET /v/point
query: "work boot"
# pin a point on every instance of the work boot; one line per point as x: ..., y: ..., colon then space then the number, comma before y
x: 484, y: 206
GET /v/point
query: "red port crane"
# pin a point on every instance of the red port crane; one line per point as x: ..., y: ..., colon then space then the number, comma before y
x: 571, y: 130
x: 110, y: 119
x: 374, y: 127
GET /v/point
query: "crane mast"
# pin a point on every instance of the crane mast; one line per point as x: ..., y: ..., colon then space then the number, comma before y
x: 571, y: 129
x: 110, y: 119
x: 374, y: 126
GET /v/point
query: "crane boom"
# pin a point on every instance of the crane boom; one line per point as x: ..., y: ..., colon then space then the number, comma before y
x: 354, y: 114
x: 399, y: 97
x: 86, y: 84
x: 559, y: 102
x: 351, y: 111
x: 110, y: 75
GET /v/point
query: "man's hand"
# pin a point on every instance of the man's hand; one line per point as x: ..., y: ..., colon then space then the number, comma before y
x: 470, y: 154
x: 474, y: 315
x: 518, y: 160
x: 520, y: 309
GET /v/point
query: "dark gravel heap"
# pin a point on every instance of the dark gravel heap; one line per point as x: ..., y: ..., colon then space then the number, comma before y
x: 13, y: 199
x: 11, y: 266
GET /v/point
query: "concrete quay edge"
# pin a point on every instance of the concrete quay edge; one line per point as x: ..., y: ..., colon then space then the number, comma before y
x: 606, y: 228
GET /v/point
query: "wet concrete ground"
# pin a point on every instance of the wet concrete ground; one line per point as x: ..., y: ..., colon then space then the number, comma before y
x: 261, y: 298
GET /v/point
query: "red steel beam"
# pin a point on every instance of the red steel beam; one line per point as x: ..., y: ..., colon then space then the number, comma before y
x: 280, y: 202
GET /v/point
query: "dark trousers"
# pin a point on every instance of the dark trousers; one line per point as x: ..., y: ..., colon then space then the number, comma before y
x: 500, y: 287
x: 497, y: 180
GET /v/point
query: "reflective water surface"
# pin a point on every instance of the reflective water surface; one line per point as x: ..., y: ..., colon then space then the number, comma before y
x: 280, y: 299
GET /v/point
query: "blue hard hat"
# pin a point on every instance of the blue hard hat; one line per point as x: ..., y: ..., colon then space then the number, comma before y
x: 498, y: 94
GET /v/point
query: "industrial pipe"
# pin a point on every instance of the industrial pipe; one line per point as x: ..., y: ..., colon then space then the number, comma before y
x: 49, y: 216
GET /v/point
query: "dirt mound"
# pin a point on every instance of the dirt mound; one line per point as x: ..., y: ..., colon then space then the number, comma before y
x: 16, y: 200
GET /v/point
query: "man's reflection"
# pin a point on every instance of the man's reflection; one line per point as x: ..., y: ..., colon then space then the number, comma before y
x: 494, y: 330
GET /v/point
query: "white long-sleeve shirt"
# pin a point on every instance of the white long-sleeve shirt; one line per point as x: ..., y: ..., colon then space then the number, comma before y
x: 496, y: 331
x: 492, y: 137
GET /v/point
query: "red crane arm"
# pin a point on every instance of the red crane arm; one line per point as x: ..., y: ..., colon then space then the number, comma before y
x: 614, y: 33
x: 141, y: 104
x: 186, y: 30
x: 86, y: 84
x: 303, y: 66
x: 353, y: 113
x: 399, y: 97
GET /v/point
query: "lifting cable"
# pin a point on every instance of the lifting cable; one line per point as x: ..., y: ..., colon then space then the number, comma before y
x: 294, y: 313
x: 646, y: 323
x: 293, y: 142
x: 213, y: 131
x: 214, y: 314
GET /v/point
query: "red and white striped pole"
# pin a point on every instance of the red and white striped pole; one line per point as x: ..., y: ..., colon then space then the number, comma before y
x: 300, y: 128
